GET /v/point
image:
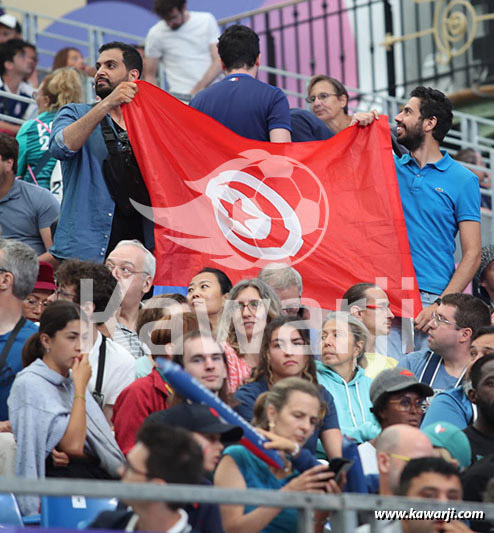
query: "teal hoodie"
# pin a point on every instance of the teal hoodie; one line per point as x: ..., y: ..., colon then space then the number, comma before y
x: 352, y: 402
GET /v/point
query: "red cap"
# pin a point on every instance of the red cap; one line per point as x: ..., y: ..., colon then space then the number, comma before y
x: 46, y: 280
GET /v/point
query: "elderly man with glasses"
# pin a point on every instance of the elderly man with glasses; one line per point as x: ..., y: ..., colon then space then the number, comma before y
x: 134, y: 268
x: 451, y: 327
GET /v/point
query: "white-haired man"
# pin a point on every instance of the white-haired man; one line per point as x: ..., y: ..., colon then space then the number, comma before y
x: 134, y: 267
x: 287, y: 283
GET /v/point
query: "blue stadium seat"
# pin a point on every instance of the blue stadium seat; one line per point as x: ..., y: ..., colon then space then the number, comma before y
x: 10, y: 514
x: 71, y: 511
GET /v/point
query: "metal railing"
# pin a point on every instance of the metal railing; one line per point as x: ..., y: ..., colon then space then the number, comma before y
x: 343, y: 507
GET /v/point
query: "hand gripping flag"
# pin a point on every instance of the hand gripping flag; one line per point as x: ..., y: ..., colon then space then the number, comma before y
x: 190, y: 388
x: 331, y: 209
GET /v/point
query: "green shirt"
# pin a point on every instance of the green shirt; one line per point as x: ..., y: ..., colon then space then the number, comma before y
x: 33, y: 140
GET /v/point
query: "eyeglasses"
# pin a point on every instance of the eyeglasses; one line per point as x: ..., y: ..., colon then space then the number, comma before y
x: 34, y: 94
x: 380, y: 307
x: 400, y: 457
x: 123, y: 271
x: 322, y: 97
x: 35, y: 302
x: 64, y: 294
x: 438, y: 319
x: 405, y: 404
x: 4, y: 270
x: 252, y: 305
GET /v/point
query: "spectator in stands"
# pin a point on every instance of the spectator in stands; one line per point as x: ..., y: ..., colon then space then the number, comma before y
x: 72, y: 57
x: 370, y: 304
x: 32, y: 60
x: 58, y: 89
x: 287, y: 283
x: 432, y: 225
x: 285, y: 352
x: 15, y: 66
x: 209, y: 431
x: 203, y: 358
x: 91, y: 222
x: 453, y: 405
x: 37, y: 301
x: 435, y: 479
x: 151, y: 393
x: 451, y: 442
x: 476, y: 482
x: 480, y: 432
x: 113, y: 367
x: 207, y: 293
x: 18, y: 272
x: 451, y: 327
x: 343, y: 342
x: 474, y: 157
x: 251, y: 304
x: 134, y: 267
x: 151, y: 312
x: 185, y: 42
x: 51, y: 407
x: 26, y: 211
x: 395, y: 447
x: 397, y: 398
x: 483, y: 282
x: 329, y: 100
x: 240, y: 102
x: 291, y: 409
x: 8, y: 28
x: 162, y: 456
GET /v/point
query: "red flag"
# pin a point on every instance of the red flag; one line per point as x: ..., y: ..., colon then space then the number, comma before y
x: 331, y: 209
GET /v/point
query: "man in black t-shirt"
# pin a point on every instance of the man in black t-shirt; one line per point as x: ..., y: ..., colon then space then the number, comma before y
x: 481, y: 432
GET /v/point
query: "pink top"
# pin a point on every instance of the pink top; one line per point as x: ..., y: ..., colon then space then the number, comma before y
x: 238, y: 369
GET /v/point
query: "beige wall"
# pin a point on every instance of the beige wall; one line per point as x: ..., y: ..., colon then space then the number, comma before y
x: 52, y: 8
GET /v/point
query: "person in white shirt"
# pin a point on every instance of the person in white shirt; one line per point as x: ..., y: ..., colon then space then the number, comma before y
x: 185, y: 42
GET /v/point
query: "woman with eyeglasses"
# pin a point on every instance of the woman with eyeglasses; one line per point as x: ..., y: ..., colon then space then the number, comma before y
x: 59, y: 88
x: 34, y: 305
x: 286, y: 352
x: 343, y: 343
x: 292, y: 410
x: 397, y: 397
x: 250, y: 306
x: 51, y: 410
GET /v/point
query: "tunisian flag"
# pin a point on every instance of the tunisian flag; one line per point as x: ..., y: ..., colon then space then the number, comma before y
x: 331, y: 209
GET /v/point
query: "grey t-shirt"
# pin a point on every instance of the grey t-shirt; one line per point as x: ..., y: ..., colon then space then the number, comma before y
x: 26, y: 209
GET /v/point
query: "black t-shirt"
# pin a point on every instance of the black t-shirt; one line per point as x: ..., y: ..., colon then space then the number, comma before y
x: 481, y: 444
x: 474, y: 481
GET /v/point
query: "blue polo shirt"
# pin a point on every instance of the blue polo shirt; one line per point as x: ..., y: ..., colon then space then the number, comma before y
x: 435, y: 199
x: 245, y: 105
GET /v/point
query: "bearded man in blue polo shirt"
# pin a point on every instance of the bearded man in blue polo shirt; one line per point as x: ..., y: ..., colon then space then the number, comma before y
x: 240, y: 102
x: 439, y: 197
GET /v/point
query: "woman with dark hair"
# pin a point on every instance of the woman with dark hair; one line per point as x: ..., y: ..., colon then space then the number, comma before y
x: 285, y: 352
x: 250, y: 306
x: 292, y: 410
x: 207, y: 293
x: 72, y: 57
x: 51, y: 409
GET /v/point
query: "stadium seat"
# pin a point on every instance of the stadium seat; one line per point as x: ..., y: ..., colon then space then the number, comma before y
x: 71, y: 511
x: 10, y: 514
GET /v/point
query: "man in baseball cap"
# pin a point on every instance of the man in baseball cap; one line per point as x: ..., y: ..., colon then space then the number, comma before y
x: 209, y: 431
x: 453, y: 444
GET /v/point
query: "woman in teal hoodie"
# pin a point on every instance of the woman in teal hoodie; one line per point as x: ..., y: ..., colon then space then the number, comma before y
x: 343, y: 343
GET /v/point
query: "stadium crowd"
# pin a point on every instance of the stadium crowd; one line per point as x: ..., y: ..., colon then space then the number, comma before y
x: 82, y: 393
